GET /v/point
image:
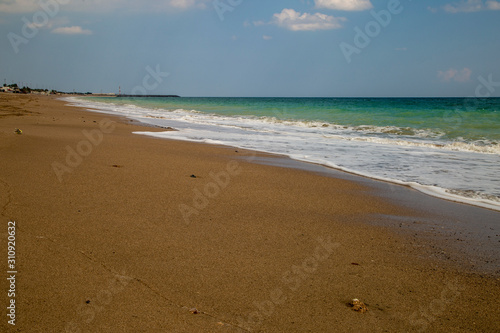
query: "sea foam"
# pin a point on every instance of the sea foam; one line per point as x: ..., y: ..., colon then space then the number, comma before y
x: 424, y: 159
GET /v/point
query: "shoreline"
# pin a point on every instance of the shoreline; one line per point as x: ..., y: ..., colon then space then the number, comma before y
x: 267, y: 248
x: 478, y: 200
x: 438, y: 210
x: 472, y: 223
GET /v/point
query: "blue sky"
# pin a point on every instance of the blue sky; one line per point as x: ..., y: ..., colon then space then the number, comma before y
x: 254, y: 47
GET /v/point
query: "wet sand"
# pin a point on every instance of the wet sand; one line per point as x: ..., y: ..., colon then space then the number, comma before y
x: 467, y: 235
x: 124, y: 233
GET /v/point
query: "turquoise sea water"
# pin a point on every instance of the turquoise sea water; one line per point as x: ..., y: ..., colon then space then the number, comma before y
x: 455, y: 118
x: 443, y: 146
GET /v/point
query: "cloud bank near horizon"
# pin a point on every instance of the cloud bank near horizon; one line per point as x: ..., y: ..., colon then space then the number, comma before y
x: 28, y: 6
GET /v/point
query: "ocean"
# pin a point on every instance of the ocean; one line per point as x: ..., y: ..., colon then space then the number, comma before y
x: 446, y: 147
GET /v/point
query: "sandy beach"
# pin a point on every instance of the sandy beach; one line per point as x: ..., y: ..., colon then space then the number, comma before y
x: 117, y: 232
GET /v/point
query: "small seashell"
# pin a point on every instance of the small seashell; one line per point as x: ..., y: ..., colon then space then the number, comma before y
x: 358, y: 306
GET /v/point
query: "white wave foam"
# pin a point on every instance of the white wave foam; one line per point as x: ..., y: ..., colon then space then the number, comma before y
x: 432, y: 166
x: 452, y: 146
x: 389, y: 135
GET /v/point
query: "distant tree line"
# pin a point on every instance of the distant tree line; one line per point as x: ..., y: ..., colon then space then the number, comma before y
x: 27, y: 90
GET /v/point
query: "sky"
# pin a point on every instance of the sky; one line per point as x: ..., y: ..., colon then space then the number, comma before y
x: 255, y: 48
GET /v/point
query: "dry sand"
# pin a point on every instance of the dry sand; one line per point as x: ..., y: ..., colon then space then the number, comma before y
x: 122, y: 239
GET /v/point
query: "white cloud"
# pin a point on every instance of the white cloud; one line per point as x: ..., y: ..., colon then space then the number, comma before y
x: 455, y: 75
x: 74, y: 30
x: 18, y: 6
x: 468, y: 6
x: 471, y: 6
x: 185, y: 4
x: 432, y: 9
x: 32, y: 6
x: 295, y: 21
x: 493, y: 5
x: 259, y: 23
x: 349, y: 5
x: 50, y: 24
x: 265, y: 37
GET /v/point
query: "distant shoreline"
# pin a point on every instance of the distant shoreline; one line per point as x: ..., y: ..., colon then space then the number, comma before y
x: 173, y: 96
x: 126, y: 96
x: 16, y: 90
